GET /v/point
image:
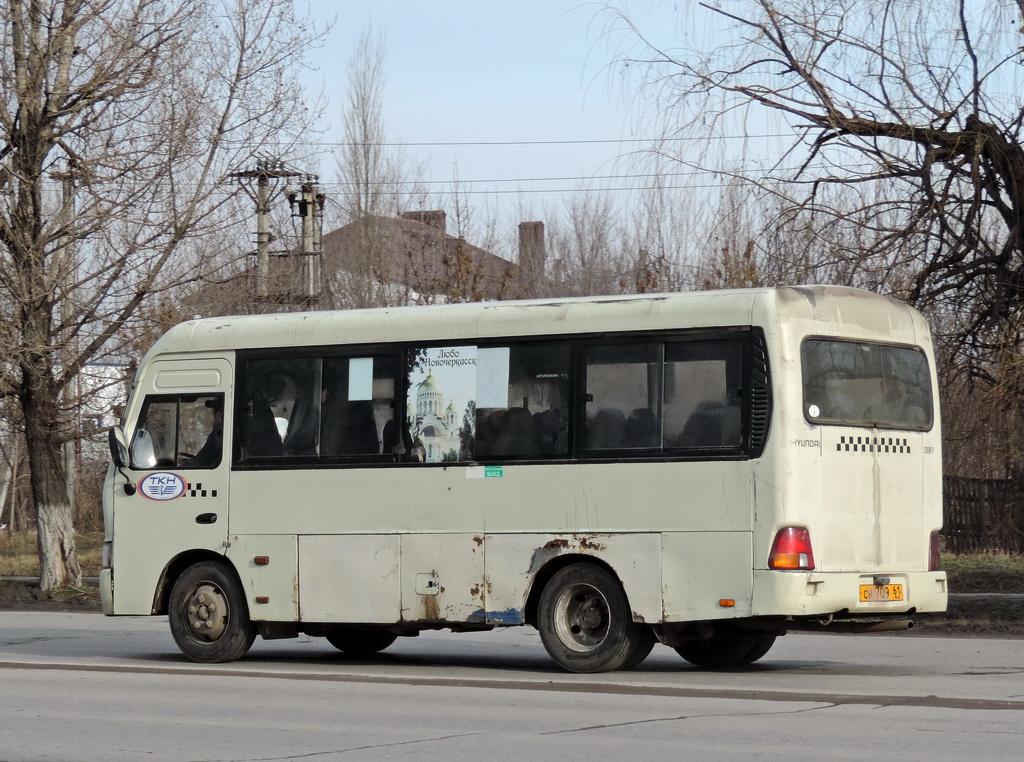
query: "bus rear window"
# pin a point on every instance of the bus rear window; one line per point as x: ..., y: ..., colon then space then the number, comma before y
x: 863, y: 384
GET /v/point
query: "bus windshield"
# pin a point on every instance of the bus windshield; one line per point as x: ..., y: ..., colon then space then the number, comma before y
x: 863, y: 384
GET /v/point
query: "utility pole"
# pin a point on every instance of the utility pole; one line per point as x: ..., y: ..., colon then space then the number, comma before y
x: 266, y: 174
x: 308, y: 205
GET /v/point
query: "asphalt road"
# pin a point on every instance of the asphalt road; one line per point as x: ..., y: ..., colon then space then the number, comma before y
x: 86, y: 687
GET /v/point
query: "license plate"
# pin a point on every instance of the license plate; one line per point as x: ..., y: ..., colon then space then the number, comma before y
x: 881, y: 593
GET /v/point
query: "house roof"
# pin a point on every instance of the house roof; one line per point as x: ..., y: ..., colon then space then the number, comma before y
x: 423, y: 257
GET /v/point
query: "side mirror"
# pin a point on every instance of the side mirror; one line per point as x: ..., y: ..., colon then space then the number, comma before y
x: 119, y: 455
x: 118, y: 447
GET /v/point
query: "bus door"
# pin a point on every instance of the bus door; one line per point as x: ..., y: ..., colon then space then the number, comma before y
x: 178, y: 463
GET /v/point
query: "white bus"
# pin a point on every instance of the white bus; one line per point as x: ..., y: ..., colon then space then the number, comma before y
x: 705, y: 470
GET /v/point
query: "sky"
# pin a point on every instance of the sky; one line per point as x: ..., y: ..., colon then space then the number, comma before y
x: 533, y: 72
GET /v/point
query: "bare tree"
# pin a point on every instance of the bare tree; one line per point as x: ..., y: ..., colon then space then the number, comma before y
x: 118, y: 124
x: 915, y: 108
x: 904, y: 171
x: 376, y: 180
x: 586, y: 242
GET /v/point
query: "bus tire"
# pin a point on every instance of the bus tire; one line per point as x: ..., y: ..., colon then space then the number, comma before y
x: 208, y: 615
x: 360, y: 641
x: 726, y: 651
x: 762, y: 645
x: 643, y: 649
x: 586, y: 624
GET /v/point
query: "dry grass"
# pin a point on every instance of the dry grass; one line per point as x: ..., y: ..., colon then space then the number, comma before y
x: 983, y: 562
x: 19, y: 555
x: 985, y: 573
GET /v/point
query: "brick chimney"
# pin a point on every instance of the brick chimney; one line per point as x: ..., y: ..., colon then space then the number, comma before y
x: 436, y: 219
x: 532, y: 256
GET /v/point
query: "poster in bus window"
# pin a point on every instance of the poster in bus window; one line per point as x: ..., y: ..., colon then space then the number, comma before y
x: 442, y: 403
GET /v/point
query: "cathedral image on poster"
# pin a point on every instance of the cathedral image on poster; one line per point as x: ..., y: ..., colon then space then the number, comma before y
x: 442, y: 387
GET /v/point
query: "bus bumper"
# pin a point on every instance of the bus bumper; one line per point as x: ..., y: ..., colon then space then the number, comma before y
x: 854, y: 594
x: 107, y: 591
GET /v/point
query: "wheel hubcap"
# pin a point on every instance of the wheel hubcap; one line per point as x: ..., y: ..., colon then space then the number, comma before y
x: 581, y: 618
x: 206, y: 612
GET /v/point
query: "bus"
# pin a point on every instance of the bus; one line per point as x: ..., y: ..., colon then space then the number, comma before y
x: 708, y: 471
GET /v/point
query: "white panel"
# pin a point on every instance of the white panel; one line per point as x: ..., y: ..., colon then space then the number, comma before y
x: 702, y: 568
x: 275, y: 582
x: 187, y: 380
x: 349, y: 578
x: 513, y: 561
x: 456, y: 562
x: 492, y: 377
x: 534, y: 499
x: 360, y: 379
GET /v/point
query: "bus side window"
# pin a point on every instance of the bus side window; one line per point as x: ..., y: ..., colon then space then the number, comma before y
x: 703, y: 394
x: 623, y: 396
x: 358, y: 404
x: 179, y: 432
x: 156, y: 434
x: 532, y: 420
x: 282, y: 407
x: 654, y: 396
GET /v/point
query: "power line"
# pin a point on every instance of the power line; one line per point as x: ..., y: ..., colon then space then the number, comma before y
x: 454, y: 181
x: 496, y: 191
x: 620, y: 141
x: 492, y: 143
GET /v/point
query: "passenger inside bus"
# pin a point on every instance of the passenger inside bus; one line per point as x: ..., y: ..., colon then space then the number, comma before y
x: 517, y: 435
x: 209, y: 454
x: 712, y: 425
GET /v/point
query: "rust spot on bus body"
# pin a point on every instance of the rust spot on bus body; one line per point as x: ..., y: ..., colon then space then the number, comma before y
x: 583, y: 543
x: 431, y: 611
x: 559, y: 543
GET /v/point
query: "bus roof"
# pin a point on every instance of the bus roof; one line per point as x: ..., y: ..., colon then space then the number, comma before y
x: 578, y: 315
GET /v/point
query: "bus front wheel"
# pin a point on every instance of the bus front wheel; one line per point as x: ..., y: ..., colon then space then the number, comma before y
x: 208, y: 615
x: 585, y: 622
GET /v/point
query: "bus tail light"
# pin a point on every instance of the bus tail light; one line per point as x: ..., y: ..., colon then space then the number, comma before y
x: 934, y: 552
x: 108, y: 555
x: 792, y: 550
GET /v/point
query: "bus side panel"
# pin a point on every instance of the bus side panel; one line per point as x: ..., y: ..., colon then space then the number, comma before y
x: 521, y: 498
x: 442, y: 578
x: 514, y: 560
x: 269, y: 569
x: 703, y: 570
x: 350, y: 578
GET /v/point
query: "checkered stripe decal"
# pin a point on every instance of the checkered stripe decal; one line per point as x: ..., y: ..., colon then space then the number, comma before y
x: 197, y: 490
x: 893, y: 445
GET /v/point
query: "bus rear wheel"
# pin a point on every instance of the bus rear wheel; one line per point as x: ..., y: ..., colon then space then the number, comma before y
x: 208, y: 615
x: 360, y: 641
x: 586, y: 624
x: 726, y: 651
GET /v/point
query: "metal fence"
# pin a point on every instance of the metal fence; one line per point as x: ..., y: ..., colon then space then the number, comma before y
x: 983, y: 515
